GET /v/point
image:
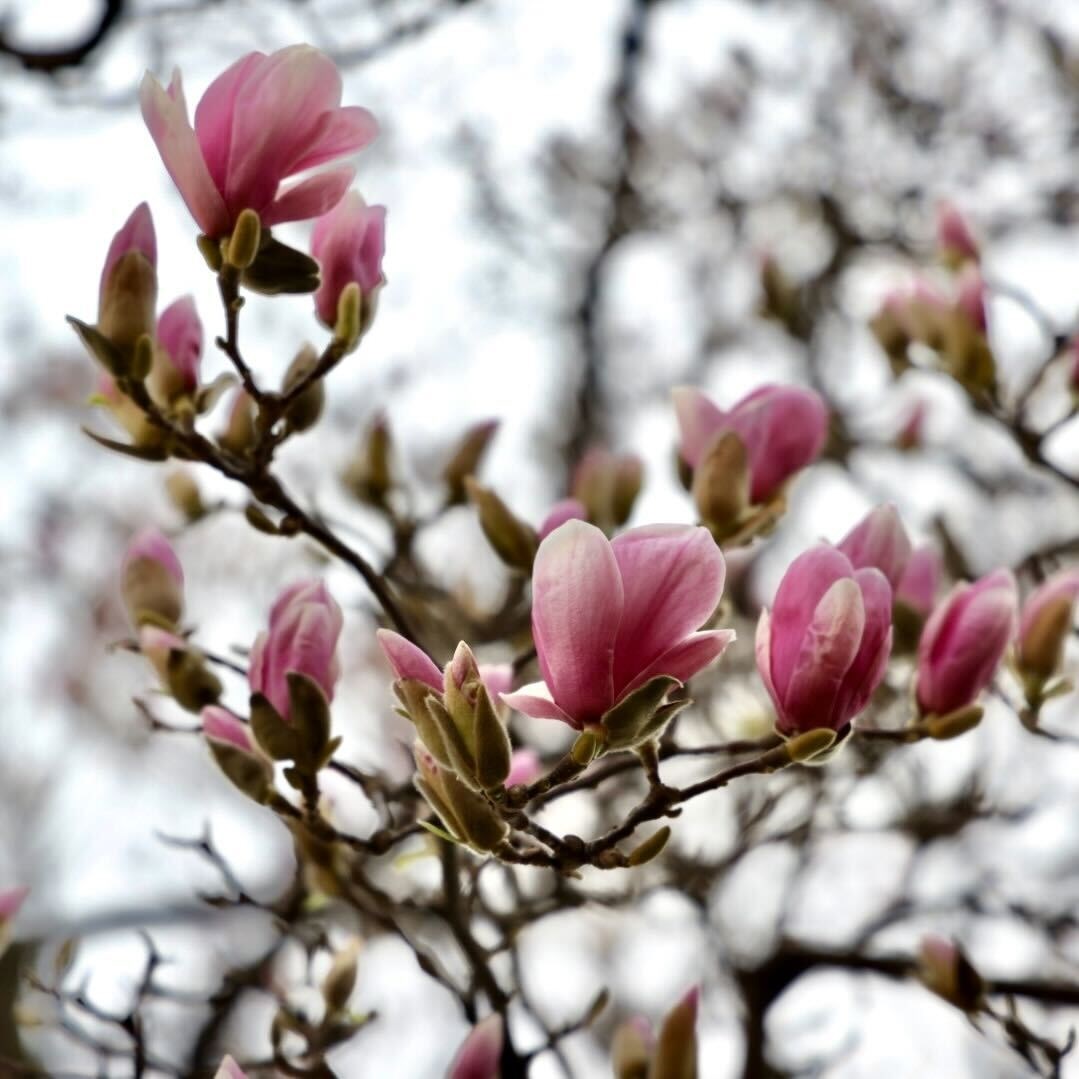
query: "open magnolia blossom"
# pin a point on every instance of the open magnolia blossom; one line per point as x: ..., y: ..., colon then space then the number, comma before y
x: 609, y: 616
x: 263, y: 121
x: 823, y: 649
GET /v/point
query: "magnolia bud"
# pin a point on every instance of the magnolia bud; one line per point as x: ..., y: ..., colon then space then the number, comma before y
x: 183, y: 492
x: 676, y: 1045
x: 338, y: 984
x: 152, y: 581
x: 1044, y: 625
x: 239, y: 434
x: 368, y: 476
x: 631, y: 1049
x: 304, y: 412
x: 235, y: 753
x: 944, y: 969
x: 721, y: 485
x: 513, y: 541
x: 244, y: 242
x: 466, y: 459
x: 128, y: 294
x: 181, y: 669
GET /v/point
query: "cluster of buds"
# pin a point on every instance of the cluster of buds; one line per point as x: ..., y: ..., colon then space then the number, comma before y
x: 463, y: 753
x: 955, y: 327
x: 737, y: 463
x: 638, y: 1053
x: 152, y: 586
x: 616, y: 624
x: 606, y: 485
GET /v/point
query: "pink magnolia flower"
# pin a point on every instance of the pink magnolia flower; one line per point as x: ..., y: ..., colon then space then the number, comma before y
x: 230, y: 1070
x: 608, y: 616
x: 220, y: 725
x: 525, y: 766
x: 480, y: 1055
x: 824, y: 647
x: 348, y: 243
x: 963, y: 642
x: 11, y: 899
x: 918, y: 586
x: 783, y: 428
x: 264, y: 120
x: 879, y: 540
x: 1045, y: 623
x: 305, y: 623
x: 954, y: 238
x: 410, y: 662
x: 179, y: 333
x: 568, y: 509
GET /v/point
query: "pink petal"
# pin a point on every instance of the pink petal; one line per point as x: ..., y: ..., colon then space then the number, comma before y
x: 525, y: 767
x: 407, y: 660
x: 11, y: 899
x: 222, y: 726
x: 229, y: 1069
x: 179, y: 331
x: 825, y: 655
x: 166, y: 117
x: 803, y: 586
x: 763, y: 649
x: 687, y: 658
x: 310, y: 198
x: 136, y: 234
x: 577, y: 602
x: 879, y: 540
x: 568, y: 509
x: 875, y: 649
x: 497, y: 677
x: 274, y: 122
x: 699, y: 420
x: 672, y: 581
x: 918, y: 585
x: 152, y: 545
x: 215, y: 112
x: 479, y: 1056
x: 535, y: 700
x: 340, y: 132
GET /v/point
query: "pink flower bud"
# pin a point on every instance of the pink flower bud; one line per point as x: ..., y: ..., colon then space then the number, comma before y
x: 179, y: 332
x: 152, y: 580
x: 1045, y: 623
x: 305, y: 623
x: 824, y: 647
x: 783, y: 428
x: 11, y: 899
x: 568, y: 509
x: 408, y: 661
x: 480, y: 1055
x: 525, y: 766
x: 970, y: 301
x: 265, y: 120
x: 127, y: 297
x: 955, y: 241
x: 220, y: 725
x: 348, y: 243
x: 963, y: 642
x: 608, y: 616
x: 879, y: 540
x: 229, y: 1069
x: 918, y: 586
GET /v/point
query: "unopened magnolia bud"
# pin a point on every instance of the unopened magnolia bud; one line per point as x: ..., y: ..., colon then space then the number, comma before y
x: 808, y: 745
x: 513, y: 540
x: 152, y: 581
x: 244, y: 241
x: 369, y: 476
x: 181, y: 669
x: 183, y: 492
x: 349, y: 324
x: 128, y: 296
x: 631, y: 1049
x: 338, y: 984
x: 650, y: 848
x: 944, y: 969
x: 587, y: 746
x: 235, y: 753
x: 1044, y: 624
x: 676, y: 1045
x: 304, y: 412
x: 239, y: 434
x: 493, y: 750
x: 628, y: 477
x: 466, y: 459
x: 721, y: 485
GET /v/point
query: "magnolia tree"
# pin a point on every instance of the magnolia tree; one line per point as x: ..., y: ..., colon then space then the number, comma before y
x: 607, y: 680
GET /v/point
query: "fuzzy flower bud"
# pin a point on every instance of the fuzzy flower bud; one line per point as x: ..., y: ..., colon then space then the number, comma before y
x: 955, y: 241
x: 152, y: 581
x: 128, y: 293
x: 1045, y: 623
x: 176, y: 363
